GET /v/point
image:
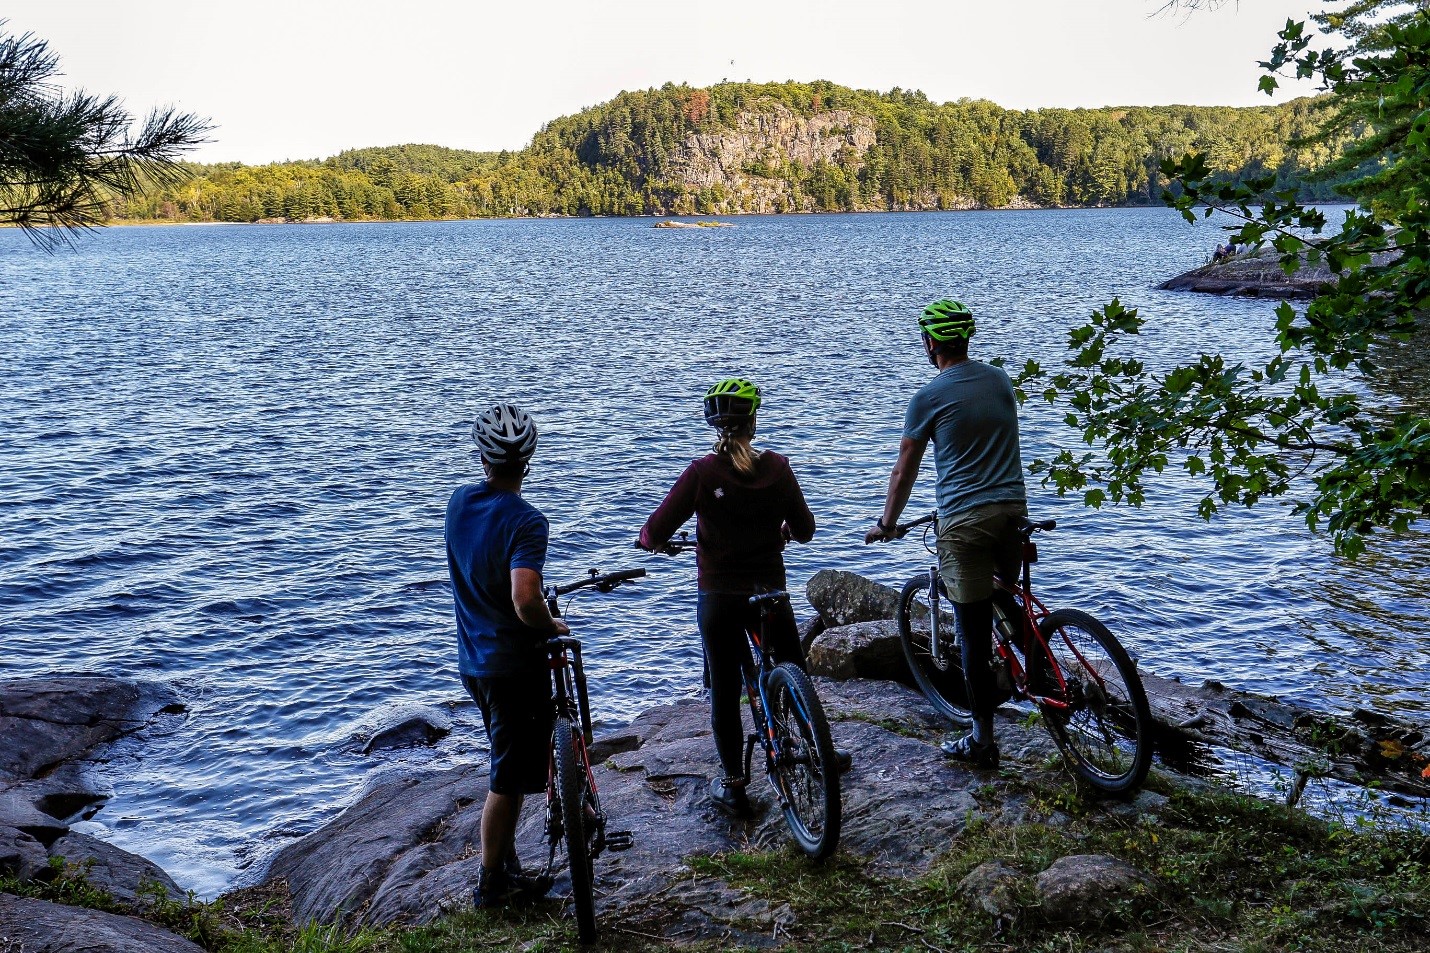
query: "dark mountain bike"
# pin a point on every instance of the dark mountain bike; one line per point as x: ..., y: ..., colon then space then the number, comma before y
x: 791, y: 727
x: 573, y: 807
x: 1066, y: 663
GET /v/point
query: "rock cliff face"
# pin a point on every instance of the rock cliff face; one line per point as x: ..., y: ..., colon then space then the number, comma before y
x: 768, y: 141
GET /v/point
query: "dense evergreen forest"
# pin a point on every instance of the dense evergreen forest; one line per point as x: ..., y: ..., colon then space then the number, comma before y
x: 739, y: 147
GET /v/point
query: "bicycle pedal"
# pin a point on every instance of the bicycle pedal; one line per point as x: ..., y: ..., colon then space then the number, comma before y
x: 617, y: 841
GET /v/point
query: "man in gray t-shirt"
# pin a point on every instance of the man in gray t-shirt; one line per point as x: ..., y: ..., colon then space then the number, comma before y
x: 970, y: 413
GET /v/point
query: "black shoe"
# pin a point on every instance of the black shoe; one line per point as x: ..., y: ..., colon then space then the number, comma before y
x: 729, y: 796
x: 971, y: 752
x: 536, y: 885
x: 843, y: 760
x: 497, y: 888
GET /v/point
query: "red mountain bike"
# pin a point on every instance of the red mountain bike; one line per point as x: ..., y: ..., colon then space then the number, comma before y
x: 573, y: 808
x: 1067, y: 664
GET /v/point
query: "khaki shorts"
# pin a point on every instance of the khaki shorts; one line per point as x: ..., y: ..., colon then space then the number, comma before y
x: 976, y: 544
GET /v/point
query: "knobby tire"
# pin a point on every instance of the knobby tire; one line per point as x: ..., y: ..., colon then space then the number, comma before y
x: 1107, y: 737
x: 571, y: 786
x: 807, y: 778
x: 945, y: 688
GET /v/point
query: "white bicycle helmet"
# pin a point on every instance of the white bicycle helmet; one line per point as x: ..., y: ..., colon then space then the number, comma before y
x: 505, y: 435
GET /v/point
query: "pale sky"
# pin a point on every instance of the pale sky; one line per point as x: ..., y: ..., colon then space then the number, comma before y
x: 308, y: 78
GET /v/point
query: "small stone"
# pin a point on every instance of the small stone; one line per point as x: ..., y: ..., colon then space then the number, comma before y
x: 1085, y: 888
x: 993, y: 887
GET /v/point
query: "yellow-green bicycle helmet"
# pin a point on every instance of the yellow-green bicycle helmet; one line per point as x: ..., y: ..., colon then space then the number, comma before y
x: 731, y: 401
x: 946, y: 320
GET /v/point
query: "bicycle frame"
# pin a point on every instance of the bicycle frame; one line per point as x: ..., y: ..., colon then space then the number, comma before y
x: 756, y: 669
x: 1031, y: 611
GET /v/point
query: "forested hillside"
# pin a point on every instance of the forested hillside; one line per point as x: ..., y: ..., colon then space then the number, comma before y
x: 739, y: 147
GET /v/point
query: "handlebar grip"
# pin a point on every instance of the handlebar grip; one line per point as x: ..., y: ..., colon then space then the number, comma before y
x: 623, y: 575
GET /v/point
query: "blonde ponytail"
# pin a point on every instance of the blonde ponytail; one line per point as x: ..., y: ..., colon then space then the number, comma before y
x: 734, y: 442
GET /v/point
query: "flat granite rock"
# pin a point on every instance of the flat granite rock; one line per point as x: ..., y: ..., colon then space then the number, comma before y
x: 409, y: 849
x: 37, y: 926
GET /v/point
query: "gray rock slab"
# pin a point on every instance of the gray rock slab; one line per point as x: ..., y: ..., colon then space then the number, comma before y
x: 46, y: 721
x: 889, y: 704
x: 21, y: 856
x: 336, y: 871
x: 1085, y: 888
x: 37, y: 926
x: 409, y: 849
x: 111, y: 869
x: 17, y: 810
x: 843, y: 598
x: 860, y: 650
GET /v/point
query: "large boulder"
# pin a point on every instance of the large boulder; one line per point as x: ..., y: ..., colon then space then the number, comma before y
x: 1086, y: 888
x: 844, y: 598
x: 861, y: 650
x: 115, y: 871
x: 37, y: 926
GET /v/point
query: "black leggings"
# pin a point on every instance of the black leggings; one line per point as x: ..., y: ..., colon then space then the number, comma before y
x: 724, y: 618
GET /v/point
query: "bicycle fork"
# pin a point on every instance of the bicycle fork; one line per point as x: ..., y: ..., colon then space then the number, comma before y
x: 935, y: 623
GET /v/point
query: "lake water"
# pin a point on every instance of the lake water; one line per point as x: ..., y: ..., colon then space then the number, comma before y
x: 228, y: 450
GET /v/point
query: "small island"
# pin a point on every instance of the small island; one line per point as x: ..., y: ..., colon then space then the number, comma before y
x: 672, y: 223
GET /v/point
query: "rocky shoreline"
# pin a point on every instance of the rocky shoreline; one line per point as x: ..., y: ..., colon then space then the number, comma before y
x: 405, y: 852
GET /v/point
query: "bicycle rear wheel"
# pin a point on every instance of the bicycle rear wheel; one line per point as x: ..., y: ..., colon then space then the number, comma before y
x: 941, y: 681
x: 806, y: 774
x: 1105, y: 732
x: 573, y: 787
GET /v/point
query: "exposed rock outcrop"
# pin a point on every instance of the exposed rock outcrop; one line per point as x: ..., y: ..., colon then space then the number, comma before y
x: 1258, y: 274
x: 46, y: 725
x: 765, y: 141
x: 115, y: 871
x: 37, y: 926
x: 409, y: 848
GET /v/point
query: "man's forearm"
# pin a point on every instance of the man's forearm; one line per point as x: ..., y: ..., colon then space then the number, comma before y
x: 535, y: 614
x: 901, y: 486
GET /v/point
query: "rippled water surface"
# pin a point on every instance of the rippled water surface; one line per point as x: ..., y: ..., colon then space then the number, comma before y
x: 227, y: 451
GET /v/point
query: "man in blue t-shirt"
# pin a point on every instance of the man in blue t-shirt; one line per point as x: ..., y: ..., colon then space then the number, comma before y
x: 970, y: 413
x: 496, y: 548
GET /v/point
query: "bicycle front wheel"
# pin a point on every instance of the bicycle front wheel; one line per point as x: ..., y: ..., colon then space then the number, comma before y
x: 941, y: 680
x: 1102, y: 723
x: 573, y: 789
x: 805, y: 772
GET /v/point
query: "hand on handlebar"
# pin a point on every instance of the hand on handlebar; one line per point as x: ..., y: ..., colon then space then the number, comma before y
x: 877, y: 535
x: 560, y: 628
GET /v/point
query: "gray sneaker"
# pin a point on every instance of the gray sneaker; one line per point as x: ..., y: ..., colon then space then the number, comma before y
x: 967, y: 750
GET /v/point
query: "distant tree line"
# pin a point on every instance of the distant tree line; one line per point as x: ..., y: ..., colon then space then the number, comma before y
x: 626, y: 157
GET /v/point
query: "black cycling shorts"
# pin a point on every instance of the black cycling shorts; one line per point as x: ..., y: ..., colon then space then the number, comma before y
x: 516, y: 710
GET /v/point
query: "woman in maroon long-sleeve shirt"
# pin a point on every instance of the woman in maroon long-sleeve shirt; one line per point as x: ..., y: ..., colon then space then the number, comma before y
x: 747, y: 503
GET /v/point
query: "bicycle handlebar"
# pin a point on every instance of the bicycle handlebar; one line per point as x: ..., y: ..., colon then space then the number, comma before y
x: 902, y: 528
x: 672, y: 547
x: 1025, y: 526
x: 601, y: 583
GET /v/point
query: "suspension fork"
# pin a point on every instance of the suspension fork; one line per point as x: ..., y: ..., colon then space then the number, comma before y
x: 935, y: 612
